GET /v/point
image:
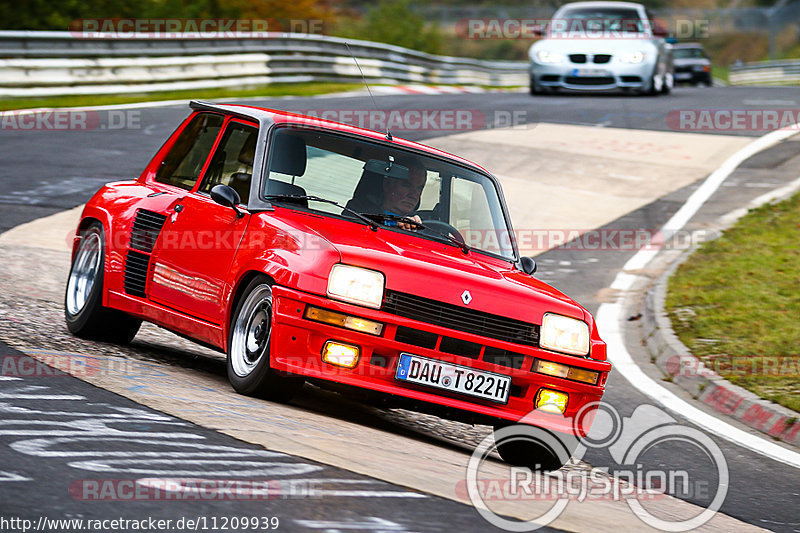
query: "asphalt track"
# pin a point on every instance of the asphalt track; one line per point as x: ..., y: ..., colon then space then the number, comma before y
x: 47, y: 171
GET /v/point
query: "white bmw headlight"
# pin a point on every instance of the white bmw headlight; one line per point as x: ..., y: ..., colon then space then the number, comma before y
x: 563, y: 334
x: 356, y: 285
x: 633, y: 57
x: 546, y: 56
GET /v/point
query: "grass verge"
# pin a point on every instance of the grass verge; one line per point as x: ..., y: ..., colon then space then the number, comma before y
x: 735, y: 303
x: 278, y: 89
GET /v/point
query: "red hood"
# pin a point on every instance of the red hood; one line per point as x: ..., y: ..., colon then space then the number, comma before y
x: 442, y: 272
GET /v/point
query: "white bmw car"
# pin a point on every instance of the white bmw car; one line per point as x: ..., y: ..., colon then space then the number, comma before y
x: 598, y: 46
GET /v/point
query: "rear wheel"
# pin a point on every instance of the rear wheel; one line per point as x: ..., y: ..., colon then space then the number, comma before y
x: 83, y: 309
x: 533, y: 447
x: 248, y: 364
x: 669, y: 83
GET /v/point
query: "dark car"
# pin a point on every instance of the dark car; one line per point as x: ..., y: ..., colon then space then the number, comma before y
x: 692, y: 64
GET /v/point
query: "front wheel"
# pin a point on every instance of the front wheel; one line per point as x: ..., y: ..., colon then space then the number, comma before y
x: 248, y: 363
x: 533, y: 447
x: 83, y: 309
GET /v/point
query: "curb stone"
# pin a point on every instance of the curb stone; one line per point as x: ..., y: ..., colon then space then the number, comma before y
x: 675, y: 360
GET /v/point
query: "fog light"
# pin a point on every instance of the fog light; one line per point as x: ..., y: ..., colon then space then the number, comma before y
x: 339, y: 354
x: 551, y: 401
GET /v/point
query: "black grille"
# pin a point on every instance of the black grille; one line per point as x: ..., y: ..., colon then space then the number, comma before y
x: 424, y: 339
x: 602, y: 58
x: 631, y: 79
x: 460, y: 347
x: 589, y: 80
x: 550, y: 77
x: 501, y: 357
x: 461, y: 319
x: 136, y: 267
x: 577, y: 58
x: 146, y: 227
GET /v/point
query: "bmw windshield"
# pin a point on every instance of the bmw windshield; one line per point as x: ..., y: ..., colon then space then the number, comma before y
x: 603, y: 21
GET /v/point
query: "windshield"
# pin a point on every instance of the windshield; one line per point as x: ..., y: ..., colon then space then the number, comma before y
x: 600, y: 19
x: 374, y: 179
x: 689, y: 53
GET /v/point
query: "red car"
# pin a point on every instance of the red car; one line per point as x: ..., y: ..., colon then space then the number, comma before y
x: 312, y: 250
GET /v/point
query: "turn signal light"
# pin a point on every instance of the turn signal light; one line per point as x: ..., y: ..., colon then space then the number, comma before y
x: 564, y: 371
x: 340, y: 319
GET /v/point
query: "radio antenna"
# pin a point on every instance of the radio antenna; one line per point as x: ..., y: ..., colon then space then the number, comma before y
x: 388, y: 133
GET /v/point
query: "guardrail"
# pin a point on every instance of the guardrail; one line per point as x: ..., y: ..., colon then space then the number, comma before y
x: 60, y: 63
x: 766, y: 73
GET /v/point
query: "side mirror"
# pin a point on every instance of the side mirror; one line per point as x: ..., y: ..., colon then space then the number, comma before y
x: 528, y: 265
x: 227, y: 196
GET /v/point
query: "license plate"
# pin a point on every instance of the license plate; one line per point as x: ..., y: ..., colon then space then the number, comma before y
x: 683, y: 75
x: 589, y: 72
x: 454, y: 378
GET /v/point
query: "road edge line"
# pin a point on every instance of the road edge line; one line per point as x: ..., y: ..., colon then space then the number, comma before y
x: 610, y: 319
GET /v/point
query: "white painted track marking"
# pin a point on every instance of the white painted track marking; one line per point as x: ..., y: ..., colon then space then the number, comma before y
x: 609, y: 316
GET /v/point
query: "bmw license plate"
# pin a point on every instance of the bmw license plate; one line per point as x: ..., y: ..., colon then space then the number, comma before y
x: 589, y: 72
x: 455, y: 378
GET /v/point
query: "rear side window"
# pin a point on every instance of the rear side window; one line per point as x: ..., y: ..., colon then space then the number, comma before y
x: 184, y: 162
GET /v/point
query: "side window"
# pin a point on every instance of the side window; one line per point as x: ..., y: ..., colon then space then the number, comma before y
x: 184, y: 162
x: 232, y: 163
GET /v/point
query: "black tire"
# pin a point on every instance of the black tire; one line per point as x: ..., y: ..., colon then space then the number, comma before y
x: 533, y: 447
x: 249, y: 344
x: 666, y: 88
x: 651, y: 91
x: 533, y: 88
x: 83, y: 309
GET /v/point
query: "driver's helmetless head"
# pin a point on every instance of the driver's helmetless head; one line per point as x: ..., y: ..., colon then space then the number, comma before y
x: 401, y: 196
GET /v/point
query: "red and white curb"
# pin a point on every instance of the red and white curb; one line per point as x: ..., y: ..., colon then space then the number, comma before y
x: 611, y: 317
x: 675, y: 359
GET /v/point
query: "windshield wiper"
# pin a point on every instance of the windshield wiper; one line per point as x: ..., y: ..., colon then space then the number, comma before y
x: 289, y: 197
x: 419, y: 225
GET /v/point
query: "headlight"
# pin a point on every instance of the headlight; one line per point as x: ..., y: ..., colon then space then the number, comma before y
x: 563, y: 334
x: 632, y: 57
x: 545, y: 56
x: 356, y: 285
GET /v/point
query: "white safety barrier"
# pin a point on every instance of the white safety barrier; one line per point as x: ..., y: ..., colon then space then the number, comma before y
x: 766, y: 73
x: 61, y: 63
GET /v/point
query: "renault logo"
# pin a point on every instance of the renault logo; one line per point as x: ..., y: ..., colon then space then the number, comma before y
x: 466, y: 297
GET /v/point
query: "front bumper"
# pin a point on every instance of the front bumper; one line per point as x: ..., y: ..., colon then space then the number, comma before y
x: 691, y: 75
x: 296, y: 346
x: 592, y: 77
